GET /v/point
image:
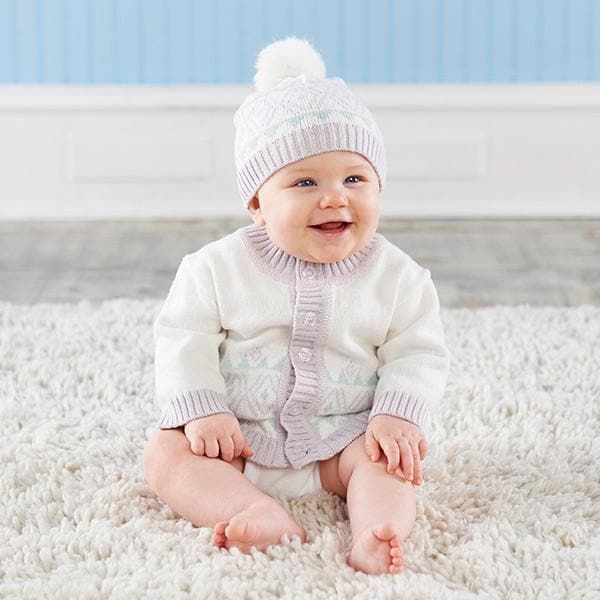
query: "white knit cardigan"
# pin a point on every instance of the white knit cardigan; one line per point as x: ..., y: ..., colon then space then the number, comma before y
x: 303, y: 354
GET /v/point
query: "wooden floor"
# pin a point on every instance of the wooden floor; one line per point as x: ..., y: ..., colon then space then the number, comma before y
x: 473, y: 263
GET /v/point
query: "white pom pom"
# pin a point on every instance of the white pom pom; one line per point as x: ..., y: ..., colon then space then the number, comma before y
x: 289, y: 57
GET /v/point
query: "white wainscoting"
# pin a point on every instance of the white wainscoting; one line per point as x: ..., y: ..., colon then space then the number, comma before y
x: 166, y: 152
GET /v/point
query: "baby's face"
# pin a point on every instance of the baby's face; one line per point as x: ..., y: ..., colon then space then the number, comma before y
x: 325, y: 188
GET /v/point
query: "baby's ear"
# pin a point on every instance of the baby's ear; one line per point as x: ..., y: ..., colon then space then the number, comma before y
x: 255, y: 212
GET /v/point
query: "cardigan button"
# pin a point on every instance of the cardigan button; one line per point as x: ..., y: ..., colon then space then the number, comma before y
x: 305, y: 354
x: 309, y: 273
x: 302, y: 449
x: 309, y: 319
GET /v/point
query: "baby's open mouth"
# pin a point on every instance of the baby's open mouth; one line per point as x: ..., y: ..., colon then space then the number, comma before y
x: 332, y: 226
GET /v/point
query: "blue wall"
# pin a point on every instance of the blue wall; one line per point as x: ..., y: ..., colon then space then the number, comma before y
x: 216, y: 41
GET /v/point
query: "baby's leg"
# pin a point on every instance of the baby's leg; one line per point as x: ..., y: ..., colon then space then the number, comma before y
x: 210, y: 492
x: 382, y: 510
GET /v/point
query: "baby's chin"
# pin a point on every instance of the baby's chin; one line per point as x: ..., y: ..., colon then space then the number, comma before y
x: 325, y: 256
x: 311, y: 249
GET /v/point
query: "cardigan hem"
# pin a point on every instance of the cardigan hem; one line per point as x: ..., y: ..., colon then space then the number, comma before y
x: 273, y: 453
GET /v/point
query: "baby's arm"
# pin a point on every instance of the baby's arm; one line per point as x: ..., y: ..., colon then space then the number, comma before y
x: 187, y: 334
x: 414, y: 360
x: 413, y: 368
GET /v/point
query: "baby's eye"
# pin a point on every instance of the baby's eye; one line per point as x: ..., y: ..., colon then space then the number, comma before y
x: 302, y: 181
x: 357, y: 177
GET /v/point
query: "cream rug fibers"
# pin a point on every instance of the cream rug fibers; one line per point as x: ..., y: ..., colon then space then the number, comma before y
x: 510, y: 507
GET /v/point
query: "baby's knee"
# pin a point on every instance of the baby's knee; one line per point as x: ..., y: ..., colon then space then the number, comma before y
x: 160, y: 451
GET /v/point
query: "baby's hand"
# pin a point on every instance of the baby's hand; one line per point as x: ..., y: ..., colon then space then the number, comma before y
x: 220, y: 431
x: 399, y: 439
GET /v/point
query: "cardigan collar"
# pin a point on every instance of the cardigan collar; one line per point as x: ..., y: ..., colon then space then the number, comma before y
x: 276, y: 262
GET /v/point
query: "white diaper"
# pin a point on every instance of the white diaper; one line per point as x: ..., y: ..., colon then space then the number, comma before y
x: 287, y: 482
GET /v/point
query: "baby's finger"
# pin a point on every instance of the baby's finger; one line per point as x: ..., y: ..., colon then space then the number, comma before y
x: 417, y: 464
x: 197, y: 447
x: 211, y: 447
x: 407, y: 460
x: 247, y: 451
x: 226, y: 445
x: 372, y: 446
x: 239, y: 443
x: 423, y: 448
x: 392, y: 453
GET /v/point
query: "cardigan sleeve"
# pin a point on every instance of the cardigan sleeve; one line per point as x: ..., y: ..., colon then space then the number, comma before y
x: 187, y: 336
x: 414, y: 360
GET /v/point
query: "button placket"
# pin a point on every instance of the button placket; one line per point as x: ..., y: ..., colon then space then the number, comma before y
x: 308, y: 299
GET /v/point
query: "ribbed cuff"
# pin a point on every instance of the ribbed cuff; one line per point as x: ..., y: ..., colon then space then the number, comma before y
x: 188, y: 406
x: 404, y: 405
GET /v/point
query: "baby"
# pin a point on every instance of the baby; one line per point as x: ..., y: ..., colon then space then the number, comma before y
x: 303, y: 352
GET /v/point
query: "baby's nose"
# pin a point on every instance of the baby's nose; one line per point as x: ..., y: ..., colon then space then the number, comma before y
x: 334, y: 200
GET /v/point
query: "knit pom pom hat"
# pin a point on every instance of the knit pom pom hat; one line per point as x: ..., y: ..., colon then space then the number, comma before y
x: 297, y: 112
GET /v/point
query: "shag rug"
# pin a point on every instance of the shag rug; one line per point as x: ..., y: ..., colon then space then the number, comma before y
x: 509, y: 508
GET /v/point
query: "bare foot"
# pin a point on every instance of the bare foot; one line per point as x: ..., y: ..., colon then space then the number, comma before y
x: 377, y: 551
x: 258, y: 526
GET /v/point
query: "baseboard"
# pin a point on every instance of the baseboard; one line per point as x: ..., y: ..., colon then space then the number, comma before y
x: 166, y: 152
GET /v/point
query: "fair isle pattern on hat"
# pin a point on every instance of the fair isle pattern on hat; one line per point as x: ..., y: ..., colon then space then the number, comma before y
x: 301, y: 116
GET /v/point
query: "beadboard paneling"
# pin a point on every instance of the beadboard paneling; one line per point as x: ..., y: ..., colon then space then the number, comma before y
x: 363, y: 41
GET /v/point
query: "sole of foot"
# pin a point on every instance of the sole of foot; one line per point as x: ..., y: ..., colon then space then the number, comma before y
x: 258, y: 526
x: 377, y: 552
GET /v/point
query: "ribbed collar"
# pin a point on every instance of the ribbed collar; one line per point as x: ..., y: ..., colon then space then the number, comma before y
x: 274, y: 261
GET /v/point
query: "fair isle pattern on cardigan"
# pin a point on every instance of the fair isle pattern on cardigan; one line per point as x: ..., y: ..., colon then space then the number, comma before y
x: 290, y: 348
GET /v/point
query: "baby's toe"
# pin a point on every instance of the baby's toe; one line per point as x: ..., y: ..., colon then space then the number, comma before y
x: 396, y: 554
x: 220, y: 527
x: 218, y: 537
